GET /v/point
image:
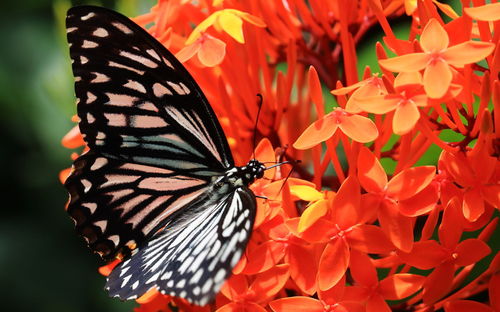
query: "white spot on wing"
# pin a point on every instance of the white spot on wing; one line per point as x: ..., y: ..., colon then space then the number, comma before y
x: 100, y: 32
x: 99, y: 77
x: 87, y: 185
x: 120, y: 99
x: 160, y: 90
x: 134, y: 85
x: 115, y: 239
x: 125, y: 280
x: 117, y: 65
x: 87, y: 44
x: 99, y: 163
x: 135, y: 285
x: 90, y: 118
x: 139, y: 59
x: 91, y: 206
x: 122, y: 28
x: 70, y: 29
x: 153, y: 54
x: 177, y: 88
x: 101, y: 224
x: 86, y: 17
x: 90, y: 97
x: 83, y: 59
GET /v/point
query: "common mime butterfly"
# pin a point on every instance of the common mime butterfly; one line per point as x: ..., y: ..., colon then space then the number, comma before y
x: 159, y: 173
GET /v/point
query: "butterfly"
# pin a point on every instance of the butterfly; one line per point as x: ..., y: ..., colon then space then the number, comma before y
x: 158, y: 185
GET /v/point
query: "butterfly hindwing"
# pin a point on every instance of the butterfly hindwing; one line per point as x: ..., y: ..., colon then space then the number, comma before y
x: 135, y: 100
x: 116, y: 204
x: 193, y: 255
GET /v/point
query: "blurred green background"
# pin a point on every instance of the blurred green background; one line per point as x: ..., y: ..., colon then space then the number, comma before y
x: 44, y: 266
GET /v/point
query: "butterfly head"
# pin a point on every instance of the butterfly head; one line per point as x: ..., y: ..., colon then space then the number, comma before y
x: 252, y: 171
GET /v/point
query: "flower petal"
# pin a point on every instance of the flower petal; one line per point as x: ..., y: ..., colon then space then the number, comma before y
x: 406, y: 63
x: 437, y: 79
x: 438, y: 283
x: 306, y: 192
x: 410, y: 181
x: 312, y: 214
x: 296, y: 304
x: 425, y: 255
x: 397, y: 227
x: 420, y: 204
x: 362, y: 269
x: 231, y: 24
x: 409, y: 78
x: 471, y: 251
x: 346, y: 203
x: 399, y: 286
x: 319, y: 131
x: 359, y: 128
x: 488, y: 13
x: 466, y: 305
x: 304, y: 266
x: 267, y: 284
x: 212, y: 51
x: 451, y: 227
x: 264, y: 257
x: 405, y: 118
x: 434, y: 37
x: 371, y: 174
x: 333, y: 263
x: 377, y: 304
x: 467, y: 52
x: 265, y: 153
x: 378, y: 104
x: 369, y: 239
x: 473, y: 205
x: 73, y: 138
x: 186, y: 53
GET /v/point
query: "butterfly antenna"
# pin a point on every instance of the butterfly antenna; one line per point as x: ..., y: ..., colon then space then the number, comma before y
x: 289, y: 174
x: 261, y: 99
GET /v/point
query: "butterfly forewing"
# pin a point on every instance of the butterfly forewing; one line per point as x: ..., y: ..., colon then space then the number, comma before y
x: 136, y: 101
x: 193, y: 255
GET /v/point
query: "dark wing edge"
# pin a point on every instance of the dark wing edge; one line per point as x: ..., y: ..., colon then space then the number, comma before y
x: 193, y: 255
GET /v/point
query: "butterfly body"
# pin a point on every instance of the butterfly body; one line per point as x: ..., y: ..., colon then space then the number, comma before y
x: 158, y: 185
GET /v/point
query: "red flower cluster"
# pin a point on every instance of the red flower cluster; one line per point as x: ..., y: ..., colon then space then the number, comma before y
x: 362, y: 224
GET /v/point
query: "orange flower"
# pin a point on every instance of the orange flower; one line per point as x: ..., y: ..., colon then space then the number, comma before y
x: 387, y: 196
x: 250, y: 298
x: 437, y: 57
x: 408, y: 96
x: 210, y: 51
x: 373, y: 292
x: 331, y: 300
x: 475, y: 174
x: 343, y: 229
x: 358, y: 128
x: 430, y: 254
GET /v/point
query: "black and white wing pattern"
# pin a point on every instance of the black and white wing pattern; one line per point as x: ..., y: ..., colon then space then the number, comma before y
x: 158, y: 185
x: 194, y: 255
